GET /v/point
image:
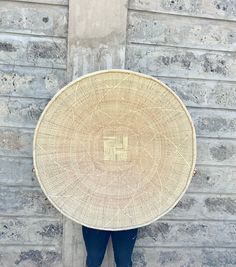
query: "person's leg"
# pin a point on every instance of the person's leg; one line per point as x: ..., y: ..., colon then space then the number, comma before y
x: 123, y: 243
x: 95, y: 242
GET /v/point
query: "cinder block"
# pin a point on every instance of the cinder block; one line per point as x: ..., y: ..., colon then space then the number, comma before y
x: 187, y: 233
x: 27, y: 231
x: 32, y: 19
x: 220, y: 9
x: 204, y: 93
x: 181, y: 31
x: 31, y: 256
x: 18, y: 201
x: 180, y: 62
x: 183, y: 256
x: 31, y: 81
x: 32, y: 51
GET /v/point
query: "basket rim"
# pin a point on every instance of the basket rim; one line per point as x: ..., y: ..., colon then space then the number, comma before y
x: 113, y: 70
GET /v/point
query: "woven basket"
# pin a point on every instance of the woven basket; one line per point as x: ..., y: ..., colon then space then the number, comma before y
x: 114, y: 150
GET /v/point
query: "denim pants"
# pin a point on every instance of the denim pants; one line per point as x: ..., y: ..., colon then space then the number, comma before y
x: 96, y: 242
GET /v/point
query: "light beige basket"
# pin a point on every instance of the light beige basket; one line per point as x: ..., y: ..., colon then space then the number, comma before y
x: 114, y: 150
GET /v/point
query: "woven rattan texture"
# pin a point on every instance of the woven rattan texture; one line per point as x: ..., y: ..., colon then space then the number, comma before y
x: 114, y: 150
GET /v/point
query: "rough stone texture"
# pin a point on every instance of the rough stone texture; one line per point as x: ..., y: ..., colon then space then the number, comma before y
x: 188, y: 233
x: 17, y: 171
x: 194, y: 206
x: 33, y: 19
x: 20, y: 111
x: 26, y: 231
x: 181, y: 62
x: 51, y: 2
x: 218, y: 9
x: 16, y: 142
x: 209, y: 179
x: 190, y: 46
x: 216, y: 152
x: 162, y: 29
x: 32, y: 51
x: 23, y: 82
x: 214, y: 123
x: 203, y: 93
x: 32, y: 69
x: 30, y: 256
x: 183, y: 257
x: 25, y: 201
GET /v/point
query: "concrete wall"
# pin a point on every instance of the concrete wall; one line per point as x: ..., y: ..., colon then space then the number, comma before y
x: 33, y: 53
x: 189, y: 45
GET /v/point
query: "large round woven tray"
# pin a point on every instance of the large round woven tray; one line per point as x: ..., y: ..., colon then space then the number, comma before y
x: 114, y: 150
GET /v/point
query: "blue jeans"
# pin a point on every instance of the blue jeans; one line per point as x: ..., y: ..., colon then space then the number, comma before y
x: 96, y: 242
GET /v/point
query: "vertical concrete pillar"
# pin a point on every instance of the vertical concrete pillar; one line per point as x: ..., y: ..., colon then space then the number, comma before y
x: 96, y: 36
x: 96, y: 41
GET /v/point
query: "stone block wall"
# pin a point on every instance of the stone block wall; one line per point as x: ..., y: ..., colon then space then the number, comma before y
x: 190, y: 46
x: 33, y: 51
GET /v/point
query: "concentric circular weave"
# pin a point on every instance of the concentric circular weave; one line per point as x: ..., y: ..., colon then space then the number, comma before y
x: 114, y: 150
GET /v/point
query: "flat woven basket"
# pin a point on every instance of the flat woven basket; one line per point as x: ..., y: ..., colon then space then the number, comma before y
x: 114, y: 150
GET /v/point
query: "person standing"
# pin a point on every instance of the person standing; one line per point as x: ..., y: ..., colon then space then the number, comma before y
x: 96, y: 240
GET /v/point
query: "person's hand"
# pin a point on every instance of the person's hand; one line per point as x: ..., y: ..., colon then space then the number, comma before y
x: 195, y: 171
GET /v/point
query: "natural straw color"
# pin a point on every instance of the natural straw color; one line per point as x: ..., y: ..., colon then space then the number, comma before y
x: 114, y: 150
